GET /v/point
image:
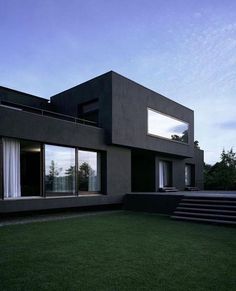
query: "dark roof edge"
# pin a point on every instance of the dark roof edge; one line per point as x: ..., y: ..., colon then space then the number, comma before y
x: 97, y: 77
x: 20, y: 92
x: 115, y: 73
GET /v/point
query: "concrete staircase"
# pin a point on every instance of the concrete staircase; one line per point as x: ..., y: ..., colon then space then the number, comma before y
x: 220, y: 210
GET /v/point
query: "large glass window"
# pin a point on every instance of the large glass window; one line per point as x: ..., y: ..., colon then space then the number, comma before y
x: 89, y: 171
x: 59, y: 169
x: 168, y: 127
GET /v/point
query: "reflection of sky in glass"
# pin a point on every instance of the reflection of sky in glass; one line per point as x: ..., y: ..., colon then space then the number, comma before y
x: 164, y: 126
x: 179, y: 129
x: 63, y: 157
x: 90, y: 158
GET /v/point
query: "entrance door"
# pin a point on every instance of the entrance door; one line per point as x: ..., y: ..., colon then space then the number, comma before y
x: 165, y: 174
x: 189, y: 175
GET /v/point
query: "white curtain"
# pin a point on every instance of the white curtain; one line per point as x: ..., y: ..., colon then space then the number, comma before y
x: 11, y: 168
x: 164, y: 174
x: 188, y: 175
x: 161, y: 174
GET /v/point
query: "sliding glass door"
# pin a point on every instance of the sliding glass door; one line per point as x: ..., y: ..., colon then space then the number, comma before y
x: 165, y: 174
x: 89, y: 171
x: 59, y: 169
x: 21, y: 168
x: 61, y: 174
x: 33, y: 169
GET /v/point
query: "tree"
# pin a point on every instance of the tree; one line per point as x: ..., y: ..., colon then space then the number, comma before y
x: 183, y: 137
x: 69, y: 178
x: 85, y: 171
x: 70, y: 171
x: 222, y: 175
x: 175, y: 137
x: 196, y: 144
x: 52, y: 174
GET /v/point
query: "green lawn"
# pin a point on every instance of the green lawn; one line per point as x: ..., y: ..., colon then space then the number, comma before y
x: 117, y: 251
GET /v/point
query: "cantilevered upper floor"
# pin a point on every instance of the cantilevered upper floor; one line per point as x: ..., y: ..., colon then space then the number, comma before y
x: 129, y: 114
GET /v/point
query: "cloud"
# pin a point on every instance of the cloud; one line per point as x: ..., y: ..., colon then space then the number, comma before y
x: 231, y: 125
x: 200, y: 74
x: 197, y: 14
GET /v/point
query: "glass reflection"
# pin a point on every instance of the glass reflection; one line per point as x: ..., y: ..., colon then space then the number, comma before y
x: 89, y: 171
x: 188, y: 175
x: 59, y: 169
x: 167, y: 127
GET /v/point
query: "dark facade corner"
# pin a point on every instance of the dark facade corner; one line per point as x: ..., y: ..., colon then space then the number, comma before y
x: 92, y: 144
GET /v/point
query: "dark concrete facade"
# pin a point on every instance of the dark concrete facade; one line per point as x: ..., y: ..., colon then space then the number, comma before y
x: 128, y: 152
x: 129, y: 107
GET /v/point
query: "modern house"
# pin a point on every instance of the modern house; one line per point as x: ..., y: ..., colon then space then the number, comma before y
x: 92, y: 144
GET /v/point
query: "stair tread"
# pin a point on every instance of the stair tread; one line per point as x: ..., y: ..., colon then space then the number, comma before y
x: 206, y: 209
x: 207, y: 205
x: 205, y: 214
x: 203, y: 219
x: 208, y: 200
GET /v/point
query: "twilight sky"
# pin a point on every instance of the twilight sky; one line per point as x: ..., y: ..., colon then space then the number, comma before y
x: 183, y: 49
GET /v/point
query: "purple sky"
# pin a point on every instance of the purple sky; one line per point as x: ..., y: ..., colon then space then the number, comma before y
x: 185, y: 50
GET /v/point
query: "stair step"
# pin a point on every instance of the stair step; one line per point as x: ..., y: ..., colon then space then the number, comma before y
x: 203, y: 220
x: 205, y: 214
x: 207, y: 205
x: 190, y: 188
x: 168, y: 189
x: 206, y: 210
x: 209, y: 201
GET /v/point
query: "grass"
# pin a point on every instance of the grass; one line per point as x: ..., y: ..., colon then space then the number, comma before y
x: 118, y: 251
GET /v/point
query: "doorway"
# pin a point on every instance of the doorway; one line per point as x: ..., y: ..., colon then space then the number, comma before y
x: 142, y: 171
x: 30, y: 165
x: 165, y: 174
x: 189, y: 175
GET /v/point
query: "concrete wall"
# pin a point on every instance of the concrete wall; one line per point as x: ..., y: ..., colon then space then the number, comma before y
x: 123, y: 112
x: 15, y: 96
x: 129, y: 117
x: 152, y: 202
x: 42, y: 203
x: 118, y: 170
x: 98, y: 88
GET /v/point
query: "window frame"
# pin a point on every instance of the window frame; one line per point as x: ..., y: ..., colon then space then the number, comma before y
x: 58, y: 194
x: 99, y: 155
x: 162, y: 137
x: 47, y: 194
